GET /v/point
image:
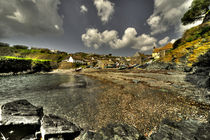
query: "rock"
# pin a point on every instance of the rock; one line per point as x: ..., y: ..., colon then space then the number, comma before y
x: 183, y: 130
x: 29, y: 137
x: 20, y: 112
x: 87, y: 135
x: 136, y: 81
x: 114, y: 132
x: 19, y: 119
x: 207, y: 17
x: 53, y: 127
x: 187, y: 69
x: 204, y: 82
x: 209, y: 117
x: 161, y: 65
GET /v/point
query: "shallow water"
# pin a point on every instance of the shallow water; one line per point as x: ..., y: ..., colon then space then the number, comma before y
x: 69, y: 96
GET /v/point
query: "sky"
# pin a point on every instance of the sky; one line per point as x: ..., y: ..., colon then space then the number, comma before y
x: 119, y: 27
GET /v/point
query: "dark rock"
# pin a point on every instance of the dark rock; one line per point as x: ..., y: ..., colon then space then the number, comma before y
x: 161, y: 65
x: 53, y: 127
x: 29, y: 137
x: 136, y: 81
x: 114, y: 132
x: 183, y: 130
x: 205, y: 82
x: 87, y: 135
x: 187, y: 69
x: 19, y: 119
x: 207, y: 17
x: 20, y: 112
x: 199, y: 77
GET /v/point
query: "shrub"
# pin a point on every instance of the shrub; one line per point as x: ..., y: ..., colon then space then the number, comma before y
x: 20, y: 47
x: 4, y: 44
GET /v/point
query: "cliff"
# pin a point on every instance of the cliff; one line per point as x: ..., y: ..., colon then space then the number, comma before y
x: 188, y: 50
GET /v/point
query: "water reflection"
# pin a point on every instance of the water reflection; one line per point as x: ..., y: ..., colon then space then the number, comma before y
x: 66, y: 95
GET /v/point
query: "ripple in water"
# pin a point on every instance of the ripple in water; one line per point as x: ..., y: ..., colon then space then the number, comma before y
x: 65, y: 95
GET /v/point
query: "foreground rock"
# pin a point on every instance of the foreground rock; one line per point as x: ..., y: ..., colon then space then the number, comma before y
x: 183, y: 130
x: 19, y: 119
x: 114, y: 132
x: 53, y: 127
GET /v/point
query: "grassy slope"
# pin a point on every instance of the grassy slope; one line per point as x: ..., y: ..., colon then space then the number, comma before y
x: 194, y: 43
x: 33, y: 54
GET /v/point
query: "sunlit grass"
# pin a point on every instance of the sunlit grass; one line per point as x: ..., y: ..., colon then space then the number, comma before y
x: 19, y: 58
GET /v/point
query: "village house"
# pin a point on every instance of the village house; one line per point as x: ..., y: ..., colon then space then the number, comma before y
x: 161, y: 52
x: 104, y: 63
x: 72, y: 60
x: 136, y: 59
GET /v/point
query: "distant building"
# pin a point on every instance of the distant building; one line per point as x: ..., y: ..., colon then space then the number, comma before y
x: 104, y: 63
x: 137, y: 58
x: 54, y: 51
x: 161, y: 52
x: 72, y: 60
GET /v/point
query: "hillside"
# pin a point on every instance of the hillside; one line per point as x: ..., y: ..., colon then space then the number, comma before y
x: 21, y: 51
x: 188, y: 50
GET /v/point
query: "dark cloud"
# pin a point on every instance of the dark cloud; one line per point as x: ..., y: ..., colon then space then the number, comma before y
x: 29, y: 17
x: 167, y: 15
x: 131, y: 25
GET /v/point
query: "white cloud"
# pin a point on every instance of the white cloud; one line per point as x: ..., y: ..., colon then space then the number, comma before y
x: 57, y: 27
x: 34, y: 1
x: 93, y: 38
x: 105, y: 9
x: 167, y: 15
x: 173, y: 41
x: 24, y: 17
x: 183, y: 28
x: 164, y: 41
x: 83, y: 9
x: 17, y: 16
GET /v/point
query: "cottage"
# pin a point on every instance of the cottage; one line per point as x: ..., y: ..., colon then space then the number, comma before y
x: 136, y: 59
x: 161, y: 52
x: 72, y: 60
x: 104, y: 63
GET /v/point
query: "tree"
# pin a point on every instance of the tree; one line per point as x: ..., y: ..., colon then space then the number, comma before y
x: 20, y: 47
x: 198, y: 9
x: 4, y: 44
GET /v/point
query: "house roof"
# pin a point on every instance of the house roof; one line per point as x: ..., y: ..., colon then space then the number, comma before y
x: 166, y: 47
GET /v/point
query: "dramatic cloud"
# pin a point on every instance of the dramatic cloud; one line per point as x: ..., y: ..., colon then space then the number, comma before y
x: 93, y: 38
x: 83, y: 9
x: 164, y: 41
x: 167, y: 15
x: 105, y: 9
x: 29, y: 17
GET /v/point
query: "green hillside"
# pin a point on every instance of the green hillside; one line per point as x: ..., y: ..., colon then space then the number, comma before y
x: 188, y: 50
x: 20, y: 51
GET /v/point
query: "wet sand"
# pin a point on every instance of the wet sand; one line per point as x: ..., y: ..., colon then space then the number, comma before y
x: 144, y: 98
x: 136, y: 97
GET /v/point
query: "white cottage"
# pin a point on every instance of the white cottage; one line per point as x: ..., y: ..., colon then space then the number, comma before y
x: 71, y: 60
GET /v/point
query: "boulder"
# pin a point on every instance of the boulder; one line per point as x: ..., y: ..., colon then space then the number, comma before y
x: 183, y: 130
x: 19, y: 119
x: 161, y: 65
x: 113, y: 132
x: 53, y: 127
x: 20, y: 112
